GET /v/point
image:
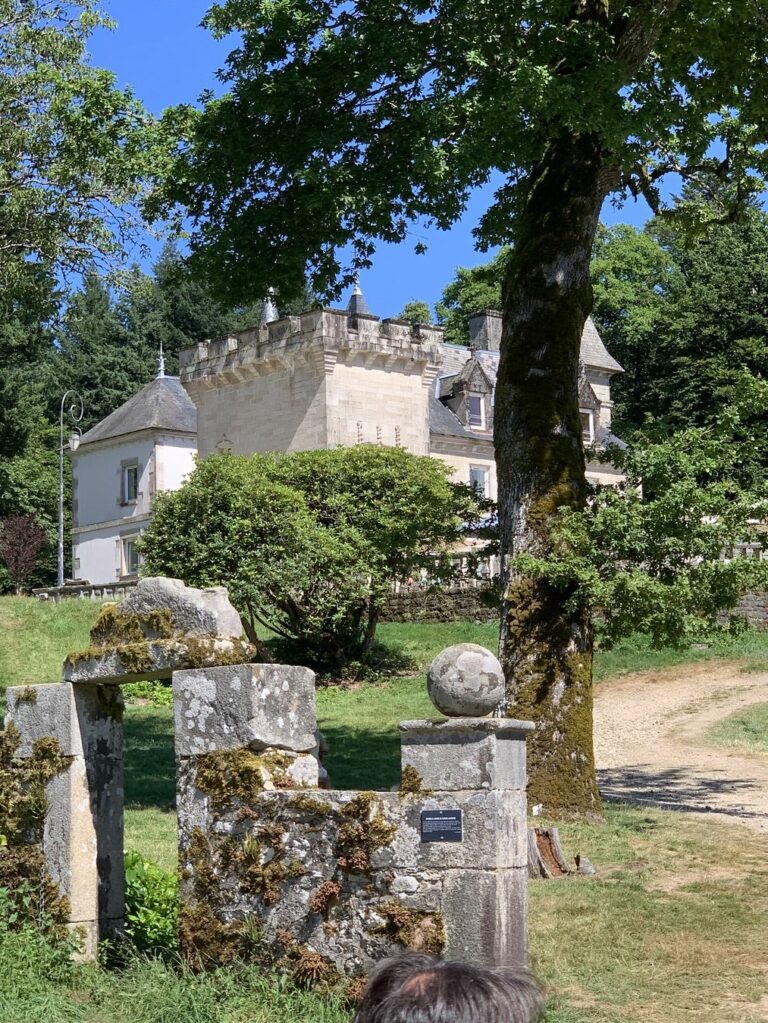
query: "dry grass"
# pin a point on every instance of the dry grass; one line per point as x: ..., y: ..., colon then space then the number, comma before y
x: 671, y: 929
x: 745, y: 731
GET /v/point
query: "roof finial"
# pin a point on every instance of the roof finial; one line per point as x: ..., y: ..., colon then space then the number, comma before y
x: 161, y: 363
x: 357, y: 304
x: 269, y: 311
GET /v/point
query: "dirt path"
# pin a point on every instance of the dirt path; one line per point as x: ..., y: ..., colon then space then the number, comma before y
x: 650, y: 741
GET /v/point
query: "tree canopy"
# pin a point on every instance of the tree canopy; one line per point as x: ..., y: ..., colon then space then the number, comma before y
x: 363, y: 117
x: 345, y: 122
x: 75, y: 151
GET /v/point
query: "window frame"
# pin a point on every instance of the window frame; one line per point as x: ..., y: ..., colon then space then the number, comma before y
x: 481, y: 425
x: 485, y: 489
x: 589, y: 438
x: 125, y: 566
x: 126, y: 470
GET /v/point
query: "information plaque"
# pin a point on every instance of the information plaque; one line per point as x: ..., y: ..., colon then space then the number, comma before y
x: 441, y: 826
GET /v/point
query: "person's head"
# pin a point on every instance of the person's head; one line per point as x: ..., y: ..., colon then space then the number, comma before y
x: 416, y: 988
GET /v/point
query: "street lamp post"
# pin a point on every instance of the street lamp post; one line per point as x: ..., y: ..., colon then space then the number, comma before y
x: 75, y: 413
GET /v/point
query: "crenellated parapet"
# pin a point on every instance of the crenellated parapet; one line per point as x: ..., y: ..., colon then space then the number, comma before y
x: 324, y: 378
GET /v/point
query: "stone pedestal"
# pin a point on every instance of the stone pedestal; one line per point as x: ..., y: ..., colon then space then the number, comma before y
x: 476, y: 766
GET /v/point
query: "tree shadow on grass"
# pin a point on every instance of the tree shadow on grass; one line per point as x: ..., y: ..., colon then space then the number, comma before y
x: 150, y: 767
x: 362, y: 760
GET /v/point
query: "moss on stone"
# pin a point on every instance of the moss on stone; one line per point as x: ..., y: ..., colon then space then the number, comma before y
x: 33, y: 893
x: 311, y: 805
x: 116, y: 628
x: 27, y: 695
x: 364, y: 829
x: 417, y: 931
x: 355, y: 989
x: 230, y: 776
x: 411, y: 783
x: 324, y: 896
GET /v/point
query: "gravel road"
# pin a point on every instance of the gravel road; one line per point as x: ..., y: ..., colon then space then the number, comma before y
x: 651, y: 747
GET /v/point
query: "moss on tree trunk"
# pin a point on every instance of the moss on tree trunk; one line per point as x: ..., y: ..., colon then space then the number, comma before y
x: 546, y: 645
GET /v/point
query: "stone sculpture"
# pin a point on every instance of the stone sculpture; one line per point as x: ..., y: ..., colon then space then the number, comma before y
x: 465, y: 680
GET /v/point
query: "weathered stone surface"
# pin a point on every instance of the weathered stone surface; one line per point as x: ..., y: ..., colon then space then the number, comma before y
x: 152, y: 659
x: 43, y: 711
x: 465, y: 680
x: 83, y: 830
x: 245, y: 705
x: 466, y: 753
x: 193, y: 612
x: 493, y: 835
x: 486, y: 916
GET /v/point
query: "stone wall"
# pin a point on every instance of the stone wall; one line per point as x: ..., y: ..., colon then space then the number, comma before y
x: 754, y: 607
x: 440, y: 606
x: 324, y: 884
x: 106, y: 592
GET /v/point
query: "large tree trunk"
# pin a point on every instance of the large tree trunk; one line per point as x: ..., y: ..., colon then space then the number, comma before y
x: 546, y: 649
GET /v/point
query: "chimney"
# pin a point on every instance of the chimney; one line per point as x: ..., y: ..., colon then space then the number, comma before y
x: 485, y: 331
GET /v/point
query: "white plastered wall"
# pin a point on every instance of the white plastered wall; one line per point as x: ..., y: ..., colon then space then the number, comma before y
x: 101, y: 519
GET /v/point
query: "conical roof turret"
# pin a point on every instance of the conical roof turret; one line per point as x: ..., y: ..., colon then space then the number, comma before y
x: 357, y: 304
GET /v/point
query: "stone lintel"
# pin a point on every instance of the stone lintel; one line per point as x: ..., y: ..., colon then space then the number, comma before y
x: 244, y: 705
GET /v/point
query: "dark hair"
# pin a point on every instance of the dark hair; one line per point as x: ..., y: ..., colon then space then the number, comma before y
x: 417, y: 988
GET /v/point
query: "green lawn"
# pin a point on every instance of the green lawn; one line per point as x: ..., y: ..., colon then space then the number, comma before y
x: 672, y: 927
x: 747, y: 730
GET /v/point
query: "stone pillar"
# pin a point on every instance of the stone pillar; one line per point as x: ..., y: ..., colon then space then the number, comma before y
x: 475, y: 766
x: 83, y: 831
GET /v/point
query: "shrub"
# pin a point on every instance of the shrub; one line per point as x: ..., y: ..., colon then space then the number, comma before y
x: 151, y: 907
x: 307, y: 542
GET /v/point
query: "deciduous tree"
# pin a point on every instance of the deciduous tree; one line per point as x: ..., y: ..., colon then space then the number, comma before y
x: 21, y: 541
x: 74, y: 149
x: 346, y: 121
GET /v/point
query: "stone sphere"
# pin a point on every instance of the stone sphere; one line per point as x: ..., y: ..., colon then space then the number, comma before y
x: 465, y: 680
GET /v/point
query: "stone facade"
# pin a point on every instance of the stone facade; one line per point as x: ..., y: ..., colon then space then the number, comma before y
x: 341, y: 377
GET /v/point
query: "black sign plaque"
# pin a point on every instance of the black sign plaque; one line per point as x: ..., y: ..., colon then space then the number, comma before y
x: 441, y: 826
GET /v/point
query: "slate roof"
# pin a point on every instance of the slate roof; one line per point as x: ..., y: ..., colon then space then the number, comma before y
x: 445, y: 423
x: 593, y: 351
x: 161, y: 405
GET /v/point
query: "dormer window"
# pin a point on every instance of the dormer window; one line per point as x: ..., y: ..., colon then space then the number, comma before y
x: 476, y: 406
x: 587, y: 425
x: 130, y: 483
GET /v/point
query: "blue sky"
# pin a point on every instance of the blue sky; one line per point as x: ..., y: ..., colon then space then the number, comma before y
x: 159, y: 50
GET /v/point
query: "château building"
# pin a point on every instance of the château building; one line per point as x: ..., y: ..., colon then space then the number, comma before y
x: 325, y: 378
x: 344, y: 376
